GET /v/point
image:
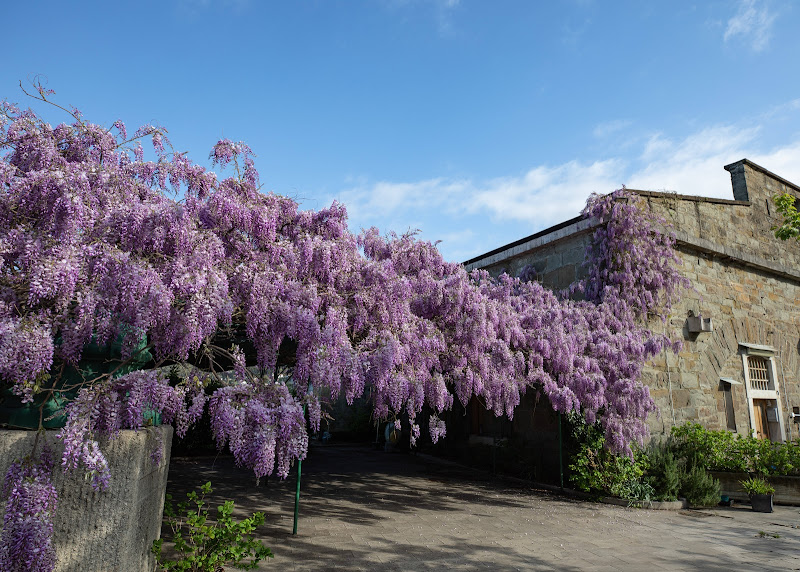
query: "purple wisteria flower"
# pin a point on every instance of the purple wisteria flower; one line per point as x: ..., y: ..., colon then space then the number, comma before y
x: 26, y: 542
x: 99, y: 246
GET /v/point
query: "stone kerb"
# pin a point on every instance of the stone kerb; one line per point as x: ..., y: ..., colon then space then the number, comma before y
x: 652, y: 505
x: 113, y: 530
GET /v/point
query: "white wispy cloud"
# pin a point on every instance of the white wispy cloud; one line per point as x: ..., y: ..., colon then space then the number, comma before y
x: 692, y: 165
x: 785, y: 109
x: 441, y: 10
x: 544, y: 194
x: 445, y: 9
x: 784, y: 161
x: 472, y: 216
x: 752, y: 23
x: 382, y: 198
x: 571, y: 33
x: 606, y: 128
x: 541, y: 195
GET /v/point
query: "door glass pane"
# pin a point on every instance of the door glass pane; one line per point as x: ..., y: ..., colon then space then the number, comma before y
x: 760, y: 413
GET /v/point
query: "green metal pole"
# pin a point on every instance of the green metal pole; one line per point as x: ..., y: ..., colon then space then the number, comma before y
x: 297, y: 497
x: 297, y: 490
x: 560, y: 453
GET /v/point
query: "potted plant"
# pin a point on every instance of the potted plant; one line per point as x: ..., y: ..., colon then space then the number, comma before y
x: 760, y: 493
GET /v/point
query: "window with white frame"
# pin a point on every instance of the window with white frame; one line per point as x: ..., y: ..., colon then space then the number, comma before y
x: 759, y: 373
x: 761, y: 388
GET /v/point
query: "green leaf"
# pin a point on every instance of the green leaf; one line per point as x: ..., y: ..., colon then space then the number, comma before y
x: 207, y: 546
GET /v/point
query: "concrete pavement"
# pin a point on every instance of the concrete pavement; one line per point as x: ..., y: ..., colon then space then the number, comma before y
x: 363, y: 509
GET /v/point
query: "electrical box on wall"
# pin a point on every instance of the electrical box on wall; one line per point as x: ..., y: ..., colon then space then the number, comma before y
x: 696, y: 324
x: 796, y: 414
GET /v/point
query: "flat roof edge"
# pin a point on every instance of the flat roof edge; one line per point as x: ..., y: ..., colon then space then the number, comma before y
x: 534, y: 236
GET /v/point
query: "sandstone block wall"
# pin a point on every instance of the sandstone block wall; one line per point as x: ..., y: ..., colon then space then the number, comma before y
x: 745, y: 307
x: 748, y: 283
x: 744, y: 279
x: 113, y: 530
x: 558, y: 262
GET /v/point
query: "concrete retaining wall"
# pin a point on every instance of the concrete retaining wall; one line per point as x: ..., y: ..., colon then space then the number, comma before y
x: 787, y: 489
x: 109, y: 531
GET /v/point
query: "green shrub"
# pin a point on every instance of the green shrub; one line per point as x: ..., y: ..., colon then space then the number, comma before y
x: 663, y: 473
x: 717, y: 450
x: 209, y: 546
x: 595, y: 469
x: 677, y: 467
x: 698, y: 487
x: 726, y: 451
x: 635, y: 490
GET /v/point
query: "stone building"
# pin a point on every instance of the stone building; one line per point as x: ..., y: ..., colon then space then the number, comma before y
x: 740, y: 365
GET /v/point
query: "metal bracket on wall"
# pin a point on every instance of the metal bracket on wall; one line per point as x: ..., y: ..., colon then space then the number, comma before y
x: 697, y: 324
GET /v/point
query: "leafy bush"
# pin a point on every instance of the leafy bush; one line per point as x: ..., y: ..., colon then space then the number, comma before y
x: 596, y: 469
x: 717, y: 450
x: 663, y: 473
x: 635, y: 490
x: 678, y: 466
x: 698, y: 487
x: 757, y: 486
x: 207, y: 547
x: 726, y: 451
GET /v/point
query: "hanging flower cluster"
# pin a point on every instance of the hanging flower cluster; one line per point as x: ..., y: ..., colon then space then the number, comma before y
x: 26, y: 541
x: 99, y: 245
x: 102, y: 410
x: 632, y: 259
x: 262, y: 426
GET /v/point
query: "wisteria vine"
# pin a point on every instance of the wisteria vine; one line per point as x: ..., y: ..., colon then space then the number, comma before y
x: 99, y: 245
x: 26, y: 541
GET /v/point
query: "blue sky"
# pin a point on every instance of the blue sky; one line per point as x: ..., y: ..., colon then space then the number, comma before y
x: 476, y: 122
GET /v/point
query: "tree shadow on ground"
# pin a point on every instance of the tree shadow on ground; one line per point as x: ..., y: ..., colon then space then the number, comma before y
x: 351, y: 483
x: 363, y: 509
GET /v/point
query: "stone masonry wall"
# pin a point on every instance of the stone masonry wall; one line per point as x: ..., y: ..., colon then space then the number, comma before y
x: 558, y: 264
x: 744, y: 279
x: 748, y: 283
x: 741, y: 226
x: 745, y: 307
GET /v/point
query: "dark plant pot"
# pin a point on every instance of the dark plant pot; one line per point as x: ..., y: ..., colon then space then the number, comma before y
x: 761, y: 503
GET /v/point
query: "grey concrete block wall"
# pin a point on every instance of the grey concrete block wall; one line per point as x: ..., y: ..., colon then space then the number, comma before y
x: 109, y: 531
